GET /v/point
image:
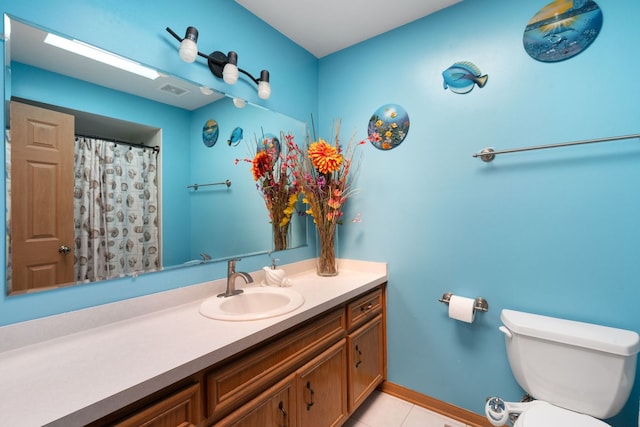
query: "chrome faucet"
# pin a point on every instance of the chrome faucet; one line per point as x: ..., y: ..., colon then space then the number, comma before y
x: 232, y: 275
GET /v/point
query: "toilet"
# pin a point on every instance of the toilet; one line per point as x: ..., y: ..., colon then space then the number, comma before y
x: 577, y: 373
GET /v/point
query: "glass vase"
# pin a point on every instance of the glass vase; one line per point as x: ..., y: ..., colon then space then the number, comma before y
x: 327, y: 261
x: 280, y: 237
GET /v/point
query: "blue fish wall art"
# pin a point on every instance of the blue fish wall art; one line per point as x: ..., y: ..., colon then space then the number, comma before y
x: 236, y: 137
x: 462, y: 76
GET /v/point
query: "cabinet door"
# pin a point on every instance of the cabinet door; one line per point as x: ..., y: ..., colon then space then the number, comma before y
x: 178, y: 409
x: 366, y: 361
x: 273, y: 408
x: 322, y: 389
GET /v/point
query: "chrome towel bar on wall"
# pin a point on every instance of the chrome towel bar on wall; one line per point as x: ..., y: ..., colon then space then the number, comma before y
x: 196, y: 186
x: 488, y: 154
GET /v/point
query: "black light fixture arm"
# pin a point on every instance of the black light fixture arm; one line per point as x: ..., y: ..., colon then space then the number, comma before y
x: 217, y: 60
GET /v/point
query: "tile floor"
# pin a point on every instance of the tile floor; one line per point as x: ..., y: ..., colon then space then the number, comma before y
x: 384, y: 410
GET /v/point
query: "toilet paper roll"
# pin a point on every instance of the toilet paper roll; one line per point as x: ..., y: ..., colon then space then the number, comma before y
x: 461, y: 308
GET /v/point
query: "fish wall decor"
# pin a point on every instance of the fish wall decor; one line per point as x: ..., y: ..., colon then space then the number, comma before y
x: 562, y: 29
x: 236, y: 137
x: 462, y: 76
x: 388, y: 127
x: 210, y: 132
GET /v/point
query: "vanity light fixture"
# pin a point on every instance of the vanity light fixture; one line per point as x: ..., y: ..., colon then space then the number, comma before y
x: 101, y: 55
x: 222, y: 66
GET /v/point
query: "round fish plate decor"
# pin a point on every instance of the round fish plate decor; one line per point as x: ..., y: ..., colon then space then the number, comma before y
x: 210, y: 133
x: 269, y: 142
x: 562, y: 29
x: 388, y: 127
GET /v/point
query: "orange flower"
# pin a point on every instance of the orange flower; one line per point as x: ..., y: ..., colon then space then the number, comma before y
x: 324, y: 157
x: 260, y: 165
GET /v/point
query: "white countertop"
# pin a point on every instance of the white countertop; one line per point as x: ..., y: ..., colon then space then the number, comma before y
x: 81, y: 376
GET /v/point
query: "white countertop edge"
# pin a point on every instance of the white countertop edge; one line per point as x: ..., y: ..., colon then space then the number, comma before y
x: 88, y: 392
x: 35, y: 331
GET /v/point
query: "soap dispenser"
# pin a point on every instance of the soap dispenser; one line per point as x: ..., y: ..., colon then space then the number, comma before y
x: 274, y: 276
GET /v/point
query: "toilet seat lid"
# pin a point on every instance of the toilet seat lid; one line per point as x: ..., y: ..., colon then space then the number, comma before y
x: 547, y: 415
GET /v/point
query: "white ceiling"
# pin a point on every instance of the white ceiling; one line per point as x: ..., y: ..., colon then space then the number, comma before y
x: 326, y: 26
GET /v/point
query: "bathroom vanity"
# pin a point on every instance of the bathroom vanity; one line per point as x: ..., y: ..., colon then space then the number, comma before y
x: 172, y: 366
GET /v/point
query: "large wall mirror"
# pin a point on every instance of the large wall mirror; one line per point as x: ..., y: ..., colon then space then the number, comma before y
x: 166, y: 187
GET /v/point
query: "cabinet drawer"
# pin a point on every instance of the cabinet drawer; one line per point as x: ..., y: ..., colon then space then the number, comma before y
x: 234, y: 383
x: 364, y: 308
x: 276, y: 407
x: 178, y: 409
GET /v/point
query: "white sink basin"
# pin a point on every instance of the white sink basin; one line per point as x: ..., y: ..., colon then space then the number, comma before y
x: 253, y: 304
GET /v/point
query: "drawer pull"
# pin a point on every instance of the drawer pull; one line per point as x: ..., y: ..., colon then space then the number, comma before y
x: 358, y: 356
x: 311, y: 393
x: 284, y: 414
x: 367, y: 307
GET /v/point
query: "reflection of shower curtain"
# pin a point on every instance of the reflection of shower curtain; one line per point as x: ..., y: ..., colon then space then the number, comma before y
x: 115, y: 209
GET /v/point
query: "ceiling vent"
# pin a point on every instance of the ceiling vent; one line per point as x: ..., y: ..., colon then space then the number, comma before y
x: 173, y: 89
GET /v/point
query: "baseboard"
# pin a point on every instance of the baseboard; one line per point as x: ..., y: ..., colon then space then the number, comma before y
x: 471, y: 419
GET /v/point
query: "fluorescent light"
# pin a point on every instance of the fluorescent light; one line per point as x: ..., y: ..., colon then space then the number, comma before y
x: 101, y: 55
x: 7, y: 28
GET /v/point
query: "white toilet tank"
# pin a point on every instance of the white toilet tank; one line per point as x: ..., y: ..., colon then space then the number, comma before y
x: 578, y: 366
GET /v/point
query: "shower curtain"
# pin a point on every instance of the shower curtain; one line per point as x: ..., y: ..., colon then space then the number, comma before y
x: 115, y: 209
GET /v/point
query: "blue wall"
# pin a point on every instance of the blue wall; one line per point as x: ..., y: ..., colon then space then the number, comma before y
x: 555, y: 232
x: 137, y: 30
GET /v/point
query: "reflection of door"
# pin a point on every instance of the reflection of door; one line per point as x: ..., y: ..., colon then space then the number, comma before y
x: 41, y: 197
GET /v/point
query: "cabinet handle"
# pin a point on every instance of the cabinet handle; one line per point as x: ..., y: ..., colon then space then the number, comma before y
x: 311, y: 393
x: 367, y: 307
x: 358, y: 356
x: 284, y: 414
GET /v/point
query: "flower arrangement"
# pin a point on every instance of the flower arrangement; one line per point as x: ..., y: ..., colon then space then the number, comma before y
x: 272, y: 168
x: 324, y: 176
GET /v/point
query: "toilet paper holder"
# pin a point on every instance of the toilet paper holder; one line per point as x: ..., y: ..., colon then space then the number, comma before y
x: 481, y: 304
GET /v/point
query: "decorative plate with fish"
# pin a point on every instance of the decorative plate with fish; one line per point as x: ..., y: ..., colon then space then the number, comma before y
x: 388, y: 127
x: 269, y: 142
x: 462, y: 76
x: 562, y: 29
x: 210, y: 133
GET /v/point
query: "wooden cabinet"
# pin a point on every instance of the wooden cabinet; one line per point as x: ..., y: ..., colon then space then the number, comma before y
x: 366, y: 346
x: 322, y: 389
x: 366, y: 361
x: 314, y: 374
x: 231, y: 384
x: 178, y: 409
x: 276, y: 407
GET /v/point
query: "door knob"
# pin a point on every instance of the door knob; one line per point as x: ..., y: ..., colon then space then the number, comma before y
x: 64, y: 250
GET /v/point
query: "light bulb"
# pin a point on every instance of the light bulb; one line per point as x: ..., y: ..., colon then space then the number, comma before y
x: 264, y: 90
x: 188, y: 48
x: 230, y: 73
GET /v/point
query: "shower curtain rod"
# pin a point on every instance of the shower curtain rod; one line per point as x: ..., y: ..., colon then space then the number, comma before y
x: 155, y: 148
x: 488, y: 154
